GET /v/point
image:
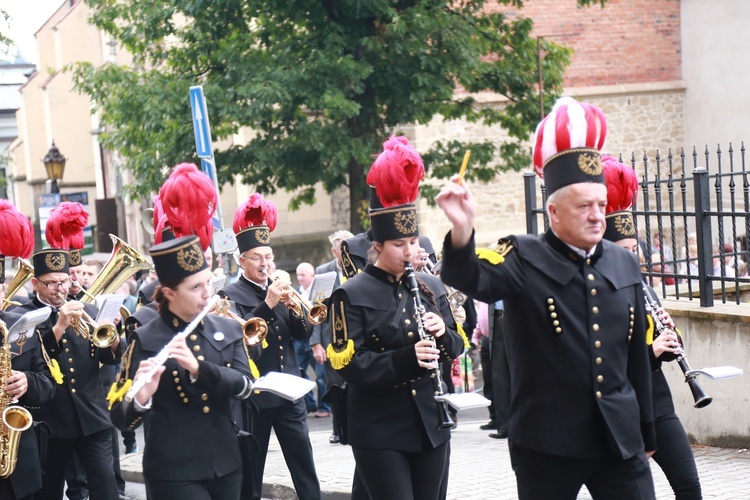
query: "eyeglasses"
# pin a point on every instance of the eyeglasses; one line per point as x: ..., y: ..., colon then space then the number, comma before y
x: 257, y: 259
x: 55, y: 284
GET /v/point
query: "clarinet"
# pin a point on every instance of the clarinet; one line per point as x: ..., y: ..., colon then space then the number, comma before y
x: 444, y: 418
x: 701, y: 398
x: 162, y: 356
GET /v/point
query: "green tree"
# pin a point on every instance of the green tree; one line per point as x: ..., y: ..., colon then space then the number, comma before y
x: 5, y: 42
x: 322, y: 84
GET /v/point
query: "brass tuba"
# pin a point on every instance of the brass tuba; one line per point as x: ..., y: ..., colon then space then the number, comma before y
x: 24, y: 274
x: 15, y: 419
x: 124, y: 261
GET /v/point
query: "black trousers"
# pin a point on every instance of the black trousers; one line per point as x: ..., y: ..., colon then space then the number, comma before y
x: 541, y: 476
x: 289, y: 422
x: 405, y: 476
x: 75, y: 477
x: 675, y: 457
x: 95, y: 453
x: 500, y: 374
x: 221, y: 488
x: 484, y: 360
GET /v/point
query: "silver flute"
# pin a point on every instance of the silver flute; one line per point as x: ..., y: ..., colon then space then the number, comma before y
x: 144, y: 378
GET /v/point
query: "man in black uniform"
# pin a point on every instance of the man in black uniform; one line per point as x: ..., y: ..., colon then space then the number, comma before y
x: 77, y: 414
x: 581, y: 406
x: 31, y: 384
x: 255, y: 295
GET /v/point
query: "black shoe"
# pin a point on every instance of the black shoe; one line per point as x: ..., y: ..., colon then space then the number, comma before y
x: 489, y: 426
x: 334, y: 439
x: 499, y: 435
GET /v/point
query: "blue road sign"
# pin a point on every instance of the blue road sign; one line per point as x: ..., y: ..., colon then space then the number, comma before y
x: 209, y: 168
x: 200, y: 122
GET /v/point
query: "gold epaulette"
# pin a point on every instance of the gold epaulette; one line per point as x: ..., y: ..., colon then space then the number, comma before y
x: 495, y: 255
x: 341, y: 350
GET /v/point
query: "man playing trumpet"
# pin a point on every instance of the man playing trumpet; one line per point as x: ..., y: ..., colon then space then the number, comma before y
x: 254, y: 294
x: 77, y: 414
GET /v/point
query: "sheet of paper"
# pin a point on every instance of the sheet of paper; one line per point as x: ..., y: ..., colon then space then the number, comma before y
x: 716, y: 372
x: 217, y: 282
x: 322, y: 286
x: 28, y: 322
x: 109, y: 307
x: 464, y: 400
x: 287, y: 386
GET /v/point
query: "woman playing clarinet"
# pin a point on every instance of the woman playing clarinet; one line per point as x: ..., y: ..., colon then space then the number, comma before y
x: 399, y: 438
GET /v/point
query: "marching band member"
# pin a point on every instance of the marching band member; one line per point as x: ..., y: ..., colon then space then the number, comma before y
x: 77, y: 414
x: 29, y: 381
x: 254, y: 294
x: 189, y: 407
x: 673, y: 451
x: 581, y: 407
x: 390, y: 417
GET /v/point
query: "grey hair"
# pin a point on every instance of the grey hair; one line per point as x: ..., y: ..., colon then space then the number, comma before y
x: 339, y: 236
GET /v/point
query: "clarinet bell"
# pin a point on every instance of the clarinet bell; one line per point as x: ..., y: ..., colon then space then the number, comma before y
x: 701, y: 398
x: 444, y: 418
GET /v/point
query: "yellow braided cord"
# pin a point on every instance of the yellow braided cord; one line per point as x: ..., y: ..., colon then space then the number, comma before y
x: 462, y: 333
x: 54, y: 369
x: 116, y: 394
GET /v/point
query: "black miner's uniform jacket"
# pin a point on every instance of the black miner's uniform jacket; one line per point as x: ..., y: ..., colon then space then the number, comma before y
x: 79, y: 407
x: 580, y: 374
x: 27, y: 477
x: 190, y: 428
x: 390, y: 398
x: 283, y: 328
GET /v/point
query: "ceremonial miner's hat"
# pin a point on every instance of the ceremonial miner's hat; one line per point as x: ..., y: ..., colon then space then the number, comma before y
x: 16, y: 235
x: 188, y: 201
x: 253, y: 222
x: 622, y: 187
x: 175, y: 260
x: 567, y: 144
x: 395, y: 176
x: 64, y: 229
x: 51, y: 260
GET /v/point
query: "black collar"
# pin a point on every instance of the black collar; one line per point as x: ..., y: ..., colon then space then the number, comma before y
x: 381, y: 275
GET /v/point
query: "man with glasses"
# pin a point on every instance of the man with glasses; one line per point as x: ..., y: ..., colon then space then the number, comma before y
x: 254, y: 294
x: 77, y: 414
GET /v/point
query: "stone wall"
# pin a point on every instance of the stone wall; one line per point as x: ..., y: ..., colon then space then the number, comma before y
x: 641, y: 117
x: 714, y: 336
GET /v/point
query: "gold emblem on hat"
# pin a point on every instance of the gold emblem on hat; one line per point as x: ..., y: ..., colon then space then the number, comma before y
x: 590, y: 164
x: 405, y: 222
x: 190, y: 259
x: 263, y: 236
x: 624, y: 225
x: 55, y: 261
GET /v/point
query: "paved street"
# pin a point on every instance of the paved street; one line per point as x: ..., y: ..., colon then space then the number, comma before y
x: 480, y: 467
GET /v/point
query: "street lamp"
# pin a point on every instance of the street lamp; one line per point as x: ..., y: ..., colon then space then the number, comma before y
x: 54, y: 162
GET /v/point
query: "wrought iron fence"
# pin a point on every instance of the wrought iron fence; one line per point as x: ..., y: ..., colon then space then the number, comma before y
x: 692, y: 213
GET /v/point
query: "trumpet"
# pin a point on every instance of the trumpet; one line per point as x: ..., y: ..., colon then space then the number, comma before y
x: 254, y: 330
x: 316, y: 313
x: 103, y: 335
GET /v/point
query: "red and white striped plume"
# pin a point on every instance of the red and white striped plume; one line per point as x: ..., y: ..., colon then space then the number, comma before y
x: 570, y: 124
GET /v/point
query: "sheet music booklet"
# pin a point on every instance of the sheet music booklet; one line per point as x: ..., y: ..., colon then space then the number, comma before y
x: 109, y: 307
x: 464, y: 400
x: 322, y: 284
x: 716, y: 372
x: 27, y: 323
x: 284, y: 385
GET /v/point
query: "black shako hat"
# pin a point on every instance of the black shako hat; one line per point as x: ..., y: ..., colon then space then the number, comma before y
x: 176, y: 259
x: 394, y: 186
x: 51, y: 260
x: 622, y: 188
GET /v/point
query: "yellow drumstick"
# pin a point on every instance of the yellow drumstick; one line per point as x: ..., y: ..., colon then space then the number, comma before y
x: 463, y: 167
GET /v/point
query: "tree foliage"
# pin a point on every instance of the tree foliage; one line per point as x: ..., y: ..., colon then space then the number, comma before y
x: 322, y: 84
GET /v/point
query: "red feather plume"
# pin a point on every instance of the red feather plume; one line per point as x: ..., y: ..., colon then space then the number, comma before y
x: 396, y: 172
x: 188, y: 199
x: 255, y: 212
x: 65, y: 226
x: 622, y: 184
x: 16, y: 232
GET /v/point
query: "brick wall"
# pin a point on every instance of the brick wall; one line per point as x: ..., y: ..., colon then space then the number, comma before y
x: 627, y: 41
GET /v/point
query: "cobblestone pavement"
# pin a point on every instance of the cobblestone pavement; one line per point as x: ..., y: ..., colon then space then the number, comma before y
x: 480, y: 469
